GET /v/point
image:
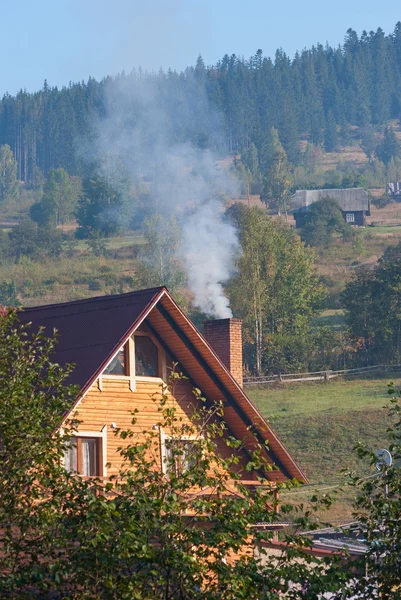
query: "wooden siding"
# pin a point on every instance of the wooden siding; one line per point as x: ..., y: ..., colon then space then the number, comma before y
x: 180, y: 338
x: 359, y: 218
x: 115, y: 404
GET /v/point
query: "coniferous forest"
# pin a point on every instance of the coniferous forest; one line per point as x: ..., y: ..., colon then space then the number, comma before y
x: 311, y: 95
x: 128, y: 156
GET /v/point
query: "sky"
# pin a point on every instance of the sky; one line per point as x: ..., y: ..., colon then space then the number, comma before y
x: 70, y: 40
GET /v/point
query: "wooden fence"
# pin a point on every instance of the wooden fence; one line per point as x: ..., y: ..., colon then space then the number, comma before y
x: 316, y: 375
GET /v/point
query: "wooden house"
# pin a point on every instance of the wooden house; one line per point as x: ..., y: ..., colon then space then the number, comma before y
x: 123, y: 347
x: 354, y: 204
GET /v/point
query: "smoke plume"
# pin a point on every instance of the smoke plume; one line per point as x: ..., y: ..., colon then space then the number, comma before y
x: 185, y: 180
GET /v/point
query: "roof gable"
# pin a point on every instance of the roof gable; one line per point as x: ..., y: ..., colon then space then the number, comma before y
x: 91, y: 331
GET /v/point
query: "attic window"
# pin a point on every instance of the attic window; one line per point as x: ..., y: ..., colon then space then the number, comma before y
x: 118, y: 366
x: 146, y: 357
x: 141, y: 356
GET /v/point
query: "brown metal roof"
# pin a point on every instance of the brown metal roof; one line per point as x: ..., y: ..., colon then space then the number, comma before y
x: 91, y: 331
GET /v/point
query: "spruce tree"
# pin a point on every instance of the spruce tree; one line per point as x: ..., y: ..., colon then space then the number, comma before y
x: 330, y: 134
x: 389, y: 147
x: 277, y: 179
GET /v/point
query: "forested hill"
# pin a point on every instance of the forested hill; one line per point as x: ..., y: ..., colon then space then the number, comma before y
x: 225, y: 106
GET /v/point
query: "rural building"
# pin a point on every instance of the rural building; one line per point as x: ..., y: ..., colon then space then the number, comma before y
x: 123, y: 347
x: 393, y: 188
x: 354, y: 204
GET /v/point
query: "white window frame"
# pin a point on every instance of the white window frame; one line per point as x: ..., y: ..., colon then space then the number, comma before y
x: 164, y: 437
x: 130, y: 360
x: 102, y: 434
x: 350, y: 217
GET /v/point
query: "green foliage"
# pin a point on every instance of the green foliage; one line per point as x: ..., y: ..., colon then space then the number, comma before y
x: 105, y: 205
x: 187, y: 531
x: 393, y: 170
x: 324, y: 220
x: 285, y: 290
x: 29, y: 239
x: 37, y: 178
x: 231, y: 104
x: 8, y: 293
x: 244, y: 176
x: 277, y: 178
x: 389, y: 148
x: 377, y: 509
x: 250, y: 158
x: 58, y: 202
x: 34, y: 485
x: 97, y: 244
x: 369, y: 143
x: 372, y: 302
x: 320, y: 422
x: 8, y: 174
x: 330, y: 134
x: 159, y: 264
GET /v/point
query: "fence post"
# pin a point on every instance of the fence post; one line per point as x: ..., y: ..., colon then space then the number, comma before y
x: 279, y: 377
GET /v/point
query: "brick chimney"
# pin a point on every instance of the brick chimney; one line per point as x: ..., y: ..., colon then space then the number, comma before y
x: 225, y: 337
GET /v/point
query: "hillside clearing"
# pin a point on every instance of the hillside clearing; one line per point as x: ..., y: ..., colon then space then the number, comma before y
x: 320, y: 423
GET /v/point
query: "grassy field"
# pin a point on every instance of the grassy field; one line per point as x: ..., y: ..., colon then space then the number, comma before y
x: 382, y: 230
x: 321, y: 423
x: 114, y: 243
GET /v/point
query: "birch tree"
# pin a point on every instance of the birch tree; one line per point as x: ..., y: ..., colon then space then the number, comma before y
x: 276, y: 290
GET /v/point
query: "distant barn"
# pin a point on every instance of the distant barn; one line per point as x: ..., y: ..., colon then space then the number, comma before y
x: 393, y: 188
x: 354, y: 204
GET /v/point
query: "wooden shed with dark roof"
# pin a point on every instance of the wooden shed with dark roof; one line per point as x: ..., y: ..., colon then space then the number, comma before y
x: 122, y: 347
x: 354, y: 204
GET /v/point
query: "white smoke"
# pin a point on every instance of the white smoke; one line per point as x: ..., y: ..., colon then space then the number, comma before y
x: 185, y: 182
x: 207, y: 249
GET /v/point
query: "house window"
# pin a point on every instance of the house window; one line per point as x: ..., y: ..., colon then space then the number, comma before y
x: 118, y: 366
x: 83, y: 456
x: 180, y: 455
x: 146, y: 357
x: 350, y: 218
x: 140, y: 356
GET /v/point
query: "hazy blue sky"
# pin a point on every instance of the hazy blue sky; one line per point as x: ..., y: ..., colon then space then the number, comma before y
x: 68, y: 40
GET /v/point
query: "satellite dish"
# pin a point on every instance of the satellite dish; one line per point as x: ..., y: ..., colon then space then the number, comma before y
x: 384, y: 459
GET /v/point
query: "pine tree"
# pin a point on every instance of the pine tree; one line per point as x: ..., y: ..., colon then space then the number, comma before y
x: 330, y: 134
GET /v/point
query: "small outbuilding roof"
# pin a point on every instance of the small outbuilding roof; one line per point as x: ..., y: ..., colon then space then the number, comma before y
x: 351, y: 199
